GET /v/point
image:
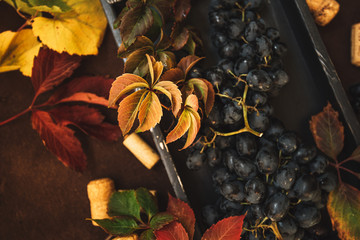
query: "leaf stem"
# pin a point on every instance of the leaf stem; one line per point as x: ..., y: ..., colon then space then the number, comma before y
x: 15, y: 116
x: 346, y: 160
x: 348, y: 170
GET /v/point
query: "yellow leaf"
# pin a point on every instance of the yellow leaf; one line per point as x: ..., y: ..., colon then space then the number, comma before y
x: 78, y: 31
x: 17, y: 51
x: 22, y: 6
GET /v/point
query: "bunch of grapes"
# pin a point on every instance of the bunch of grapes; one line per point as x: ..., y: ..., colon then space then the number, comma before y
x: 260, y: 168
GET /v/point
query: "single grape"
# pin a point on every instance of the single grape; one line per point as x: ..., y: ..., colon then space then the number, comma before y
x: 229, y: 206
x: 306, y: 187
x: 244, y: 168
x: 233, y: 191
x: 250, y: 16
x: 247, y: 51
x: 285, y: 178
x: 319, y: 164
x: 242, y: 66
x: 299, y: 235
x: 214, y: 117
x: 259, y: 121
x: 276, y: 206
x: 279, y: 49
x: 280, y: 78
x: 226, y: 65
x: 253, y: 4
x: 267, y: 160
x: 225, y: 142
x: 218, y: 19
x: 229, y: 50
x: 220, y: 176
x: 213, y: 156
x: 235, y: 28
x: 267, y: 109
x: 252, y: 31
x: 195, y: 160
x: 275, y: 130
x: 229, y: 158
x: 288, y: 143
x: 232, y: 114
x: 256, y: 98
x: 195, y: 72
x: 215, y: 75
x: 287, y: 225
x: 255, y: 190
x: 246, y: 145
x: 307, y: 215
x: 328, y: 181
x: 304, y: 154
x: 272, y: 33
x: 259, y: 80
x: 263, y: 46
x: 219, y: 39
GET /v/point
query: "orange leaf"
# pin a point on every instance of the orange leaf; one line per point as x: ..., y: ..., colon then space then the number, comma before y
x: 174, y: 75
x: 227, y: 229
x: 192, y: 102
x: 136, y: 59
x: 150, y: 112
x: 128, y: 110
x: 328, y: 131
x: 210, y: 97
x: 172, y: 92
x: 120, y: 84
x: 344, y: 209
x: 181, y: 127
x: 140, y: 42
x: 172, y: 231
x: 186, y: 63
x: 194, y: 128
x: 158, y: 69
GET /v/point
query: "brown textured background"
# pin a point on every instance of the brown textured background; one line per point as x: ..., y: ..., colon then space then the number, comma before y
x: 40, y: 198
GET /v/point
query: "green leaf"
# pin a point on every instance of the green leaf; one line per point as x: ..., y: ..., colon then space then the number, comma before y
x: 147, y: 202
x: 160, y: 220
x: 22, y: 6
x: 155, y: 29
x: 344, y: 209
x: 135, y: 22
x: 147, y: 235
x: 51, y: 6
x: 118, y: 226
x: 190, y: 46
x: 124, y: 204
x: 328, y: 131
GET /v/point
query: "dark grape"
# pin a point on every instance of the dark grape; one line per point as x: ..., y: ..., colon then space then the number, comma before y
x: 306, y: 187
x: 285, y: 178
x: 232, y: 114
x: 229, y: 50
x: 255, y: 190
x: 259, y: 80
x: 275, y: 130
x: 253, y: 4
x: 267, y: 160
x: 246, y: 145
x: 256, y: 98
x: 307, y: 215
x: 233, y: 191
x: 242, y: 66
x: 263, y: 46
x: 213, y: 156
x: 304, y: 154
x: 244, y: 168
x: 195, y: 72
x: 229, y: 157
x: 287, y: 225
x: 279, y: 49
x: 327, y: 181
x: 276, y: 206
x: 235, y: 28
x: 220, y: 176
x: 225, y: 142
x: 259, y: 121
x: 319, y: 164
x: 195, y: 160
x: 219, y: 39
x: 218, y: 19
x: 229, y: 206
x: 247, y: 51
x: 226, y: 65
x: 215, y: 75
x: 214, y: 117
x: 252, y: 31
x: 280, y: 78
x: 273, y: 33
x: 288, y: 143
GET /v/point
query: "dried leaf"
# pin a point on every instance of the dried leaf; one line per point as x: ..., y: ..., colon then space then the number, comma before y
x: 124, y: 203
x: 227, y: 229
x: 128, y: 110
x: 93, y: 90
x: 172, y: 231
x: 137, y: 21
x: 179, y: 36
x: 120, y: 84
x: 78, y: 31
x: 172, y: 92
x: 186, y: 63
x: 174, y: 75
x: 89, y: 120
x: 150, y: 112
x: 160, y: 220
x: 121, y: 226
x: 183, y: 213
x: 17, y: 51
x: 181, y: 9
x: 328, y: 131
x: 52, y: 68
x: 344, y: 209
x: 59, y: 140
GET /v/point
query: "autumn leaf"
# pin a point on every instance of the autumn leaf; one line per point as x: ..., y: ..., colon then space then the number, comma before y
x: 78, y: 31
x: 150, y: 112
x: 344, y: 209
x: 181, y: 9
x: 59, y: 140
x: 137, y: 63
x: 51, y: 6
x: 52, y: 68
x: 22, y: 6
x: 179, y: 36
x: 160, y: 220
x: 88, y: 89
x: 183, y: 213
x: 87, y: 119
x: 186, y: 63
x: 227, y: 229
x: 328, y: 132
x: 17, y: 51
x: 172, y: 231
x: 172, y: 92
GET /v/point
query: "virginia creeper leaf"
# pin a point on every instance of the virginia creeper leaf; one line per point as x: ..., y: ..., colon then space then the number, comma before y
x: 120, y: 84
x: 328, y: 131
x: 147, y: 202
x: 128, y: 110
x: 78, y: 31
x: 89, y: 120
x: 192, y: 102
x: 172, y: 231
x: 133, y: 3
x: 227, y: 229
x: 117, y: 22
x: 194, y: 128
x: 148, y: 235
x: 150, y: 112
x: 89, y: 89
x: 59, y: 140
x: 137, y: 21
x: 190, y: 45
x: 172, y: 92
x: 183, y: 213
x: 164, y: 42
x: 118, y: 226
x: 160, y: 220
x: 51, y: 68
x: 167, y: 58
x: 136, y: 58
x: 124, y: 203
x: 344, y: 209
x: 210, y: 97
x: 186, y: 63
x: 174, y: 75
x: 181, y: 127
x: 181, y: 9
x: 179, y: 36
x: 140, y: 42
x: 17, y: 51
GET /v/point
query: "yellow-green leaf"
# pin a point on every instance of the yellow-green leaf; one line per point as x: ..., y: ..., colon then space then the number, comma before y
x: 22, y: 6
x: 150, y: 112
x: 17, y: 51
x: 172, y: 92
x: 195, y: 122
x: 344, y: 209
x: 136, y: 59
x: 78, y: 31
x: 51, y: 6
x: 181, y: 127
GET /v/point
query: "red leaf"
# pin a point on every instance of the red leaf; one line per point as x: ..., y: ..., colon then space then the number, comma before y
x: 227, y: 229
x: 150, y: 112
x: 172, y: 231
x: 59, y: 140
x: 183, y: 213
x: 128, y: 110
x: 328, y: 131
x: 174, y: 75
x: 120, y: 84
x: 181, y: 9
x: 51, y: 68
x: 89, y: 120
x: 94, y: 90
x: 186, y: 63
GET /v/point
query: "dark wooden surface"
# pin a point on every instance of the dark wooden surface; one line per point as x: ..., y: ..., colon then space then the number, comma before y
x: 40, y: 198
